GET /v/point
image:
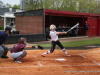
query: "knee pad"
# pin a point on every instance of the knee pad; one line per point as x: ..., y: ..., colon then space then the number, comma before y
x: 6, y: 48
x: 25, y: 53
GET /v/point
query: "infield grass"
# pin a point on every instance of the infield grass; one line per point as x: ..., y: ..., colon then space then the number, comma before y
x: 76, y: 43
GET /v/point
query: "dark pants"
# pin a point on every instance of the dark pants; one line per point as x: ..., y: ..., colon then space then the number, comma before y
x: 86, y: 32
x: 3, y: 50
x: 47, y: 37
x: 54, y: 43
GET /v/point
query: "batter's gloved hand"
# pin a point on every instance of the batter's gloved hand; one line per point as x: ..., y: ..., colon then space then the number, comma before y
x: 40, y: 47
x: 33, y: 46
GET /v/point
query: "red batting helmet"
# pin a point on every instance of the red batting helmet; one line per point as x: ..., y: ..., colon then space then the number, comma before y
x: 21, y: 40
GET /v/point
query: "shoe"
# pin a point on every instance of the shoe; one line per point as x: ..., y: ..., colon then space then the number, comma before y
x: 43, y: 55
x: 14, y: 59
x: 4, y: 57
x: 18, y: 62
x: 68, y: 55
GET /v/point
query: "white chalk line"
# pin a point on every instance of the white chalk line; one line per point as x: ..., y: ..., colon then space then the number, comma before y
x: 19, y: 67
x: 66, y: 60
x: 39, y: 63
x: 89, y: 52
x: 70, y: 65
x: 81, y: 55
x: 57, y: 65
x: 34, y: 56
x: 44, y: 66
x: 39, y: 58
x: 96, y: 62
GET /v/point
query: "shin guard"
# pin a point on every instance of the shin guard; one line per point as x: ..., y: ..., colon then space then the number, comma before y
x: 21, y: 56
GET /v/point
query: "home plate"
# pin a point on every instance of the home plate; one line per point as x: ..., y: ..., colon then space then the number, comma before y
x: 61, y: 59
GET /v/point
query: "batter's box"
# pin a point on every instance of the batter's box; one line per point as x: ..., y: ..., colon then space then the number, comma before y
x: 12, y: 64
x: 53, y: 57
x: 67, y: 63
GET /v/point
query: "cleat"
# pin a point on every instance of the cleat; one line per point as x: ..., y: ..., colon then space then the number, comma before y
x: 68, y: 55
x: 43, y: 55
x: 18, y: 62
x: 14, y: 59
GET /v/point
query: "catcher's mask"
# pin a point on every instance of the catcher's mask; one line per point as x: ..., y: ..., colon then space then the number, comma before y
x: 52, y: 27
x: 22, y: 41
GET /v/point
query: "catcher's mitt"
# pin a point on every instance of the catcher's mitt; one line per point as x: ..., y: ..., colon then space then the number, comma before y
x: 40, y: 47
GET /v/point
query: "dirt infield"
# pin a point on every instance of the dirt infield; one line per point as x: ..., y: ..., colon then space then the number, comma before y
x: 81, y: 62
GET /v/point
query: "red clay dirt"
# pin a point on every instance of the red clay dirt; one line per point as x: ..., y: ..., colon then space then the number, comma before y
x: 81, y: 62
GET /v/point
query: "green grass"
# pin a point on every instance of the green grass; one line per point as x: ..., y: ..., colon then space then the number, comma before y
x: 76, y: 43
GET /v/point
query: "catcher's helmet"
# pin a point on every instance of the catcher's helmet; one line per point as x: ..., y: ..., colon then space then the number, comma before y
x: 21, y: 40
x: 52, y: 27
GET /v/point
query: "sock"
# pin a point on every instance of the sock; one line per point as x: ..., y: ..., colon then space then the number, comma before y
x: 47, y: 52
x: 65, y: 51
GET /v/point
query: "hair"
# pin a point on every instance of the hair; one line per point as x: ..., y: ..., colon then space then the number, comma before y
x: 52, y: 27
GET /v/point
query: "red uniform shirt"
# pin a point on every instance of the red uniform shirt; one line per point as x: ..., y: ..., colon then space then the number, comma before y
x: 17, y: 48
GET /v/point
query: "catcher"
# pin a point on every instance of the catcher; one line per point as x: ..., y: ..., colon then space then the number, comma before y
x: 17, y: 52
x: 55, y: 41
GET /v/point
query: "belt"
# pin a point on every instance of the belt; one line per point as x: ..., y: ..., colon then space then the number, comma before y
x: 56, y: 40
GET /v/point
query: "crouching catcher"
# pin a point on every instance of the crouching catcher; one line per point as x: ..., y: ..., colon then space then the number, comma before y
x: 17, y: 52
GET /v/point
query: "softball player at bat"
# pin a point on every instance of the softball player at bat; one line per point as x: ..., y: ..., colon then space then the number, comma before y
x: 55, y: 41
x: 17, y: 52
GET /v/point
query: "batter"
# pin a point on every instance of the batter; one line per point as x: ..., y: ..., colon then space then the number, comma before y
x: 55, y: 41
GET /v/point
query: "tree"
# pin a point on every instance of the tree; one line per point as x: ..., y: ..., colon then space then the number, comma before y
x: 46, y: 5
x: 32, y: 4
x: 69, y: 5
x: 8, y: 5
x: 2, y: 5
x: 55, y: 4
x: 97, y: 6
x: 86, y: 6
x: 16, y: 6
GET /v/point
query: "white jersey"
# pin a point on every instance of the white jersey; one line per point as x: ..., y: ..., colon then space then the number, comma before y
x: 53, y: 35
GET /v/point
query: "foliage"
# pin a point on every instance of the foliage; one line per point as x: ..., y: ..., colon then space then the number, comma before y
x: 1, y: 28
x: 8, y: 5
x: 16, y: 6
x: 2, y: 5
x: 88, y: 6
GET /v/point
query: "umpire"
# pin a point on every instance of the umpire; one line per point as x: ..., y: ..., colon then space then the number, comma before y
x: 3, y: 37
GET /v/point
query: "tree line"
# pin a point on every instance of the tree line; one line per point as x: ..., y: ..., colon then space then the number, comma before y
x: 88, y: 6
x: 2, y: 5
